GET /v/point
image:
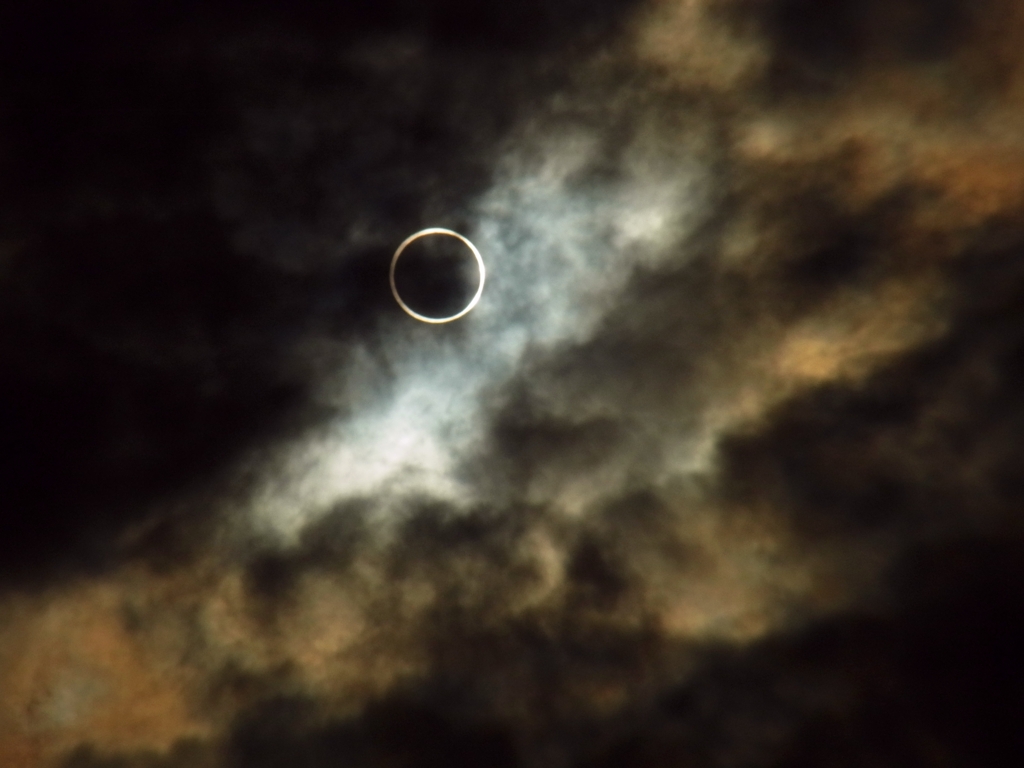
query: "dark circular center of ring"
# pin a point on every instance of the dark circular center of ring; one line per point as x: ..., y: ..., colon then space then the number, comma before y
x: 437, y: 275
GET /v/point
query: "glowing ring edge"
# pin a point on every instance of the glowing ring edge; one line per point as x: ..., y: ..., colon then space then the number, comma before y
x: 437, y: 231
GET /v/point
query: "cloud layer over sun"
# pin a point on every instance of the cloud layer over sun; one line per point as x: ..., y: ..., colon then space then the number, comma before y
x: 724, y: 469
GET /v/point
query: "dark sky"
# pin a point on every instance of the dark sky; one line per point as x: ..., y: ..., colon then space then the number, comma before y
x: 723, y: 471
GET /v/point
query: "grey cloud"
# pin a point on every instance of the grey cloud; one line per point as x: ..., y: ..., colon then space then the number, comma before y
x: 722, y: 471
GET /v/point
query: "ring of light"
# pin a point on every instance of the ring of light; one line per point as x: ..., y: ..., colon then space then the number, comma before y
x: 437, y: 231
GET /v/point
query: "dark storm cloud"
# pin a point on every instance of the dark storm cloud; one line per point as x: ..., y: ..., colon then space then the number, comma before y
x: 926, y: 443
x: 819, y: 42
x: 741, y: 488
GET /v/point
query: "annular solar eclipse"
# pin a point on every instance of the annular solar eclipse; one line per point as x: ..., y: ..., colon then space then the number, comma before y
x: 437, y: 231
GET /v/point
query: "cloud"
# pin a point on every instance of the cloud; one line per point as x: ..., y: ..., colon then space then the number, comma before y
x: 721, y: 471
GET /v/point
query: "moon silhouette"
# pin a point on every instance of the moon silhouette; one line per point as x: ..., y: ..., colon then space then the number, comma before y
x: 449, y: 233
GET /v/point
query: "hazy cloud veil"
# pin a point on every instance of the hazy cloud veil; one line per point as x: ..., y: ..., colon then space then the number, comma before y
x: 723, y: 470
